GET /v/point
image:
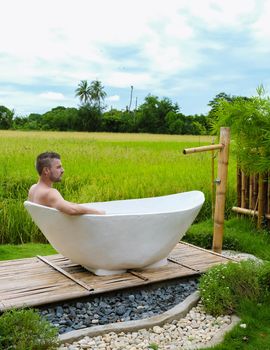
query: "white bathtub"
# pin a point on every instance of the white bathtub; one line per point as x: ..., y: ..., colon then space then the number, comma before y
x: 134, y: 233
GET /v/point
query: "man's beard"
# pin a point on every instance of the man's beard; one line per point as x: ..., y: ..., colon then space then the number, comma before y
x: 55, y: 179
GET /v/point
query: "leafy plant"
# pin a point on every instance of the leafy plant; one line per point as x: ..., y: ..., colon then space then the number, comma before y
x: 153, y: 346
x: 25, y: 329
x: 249, y: 120
x: 224, y: 286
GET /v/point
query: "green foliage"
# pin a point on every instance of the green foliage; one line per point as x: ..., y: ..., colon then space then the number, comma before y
x: 6, y: 116
x: 115, y: 121
x: 26, y: 250
x: 158, y: 116
x: 91, y: 95
x: 60, y: 118
x: 152, y: 114
x: 25, y: 329
x: 153, y: 346
x: 224, y: 286
x: 83, y: 91
x: 89, y: 118
x: 249, y: 120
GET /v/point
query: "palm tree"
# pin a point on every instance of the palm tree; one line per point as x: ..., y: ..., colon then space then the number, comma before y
x: 97, y: 93
x: 83, y: 91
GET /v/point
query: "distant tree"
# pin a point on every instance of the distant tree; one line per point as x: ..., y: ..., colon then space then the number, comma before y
x: 32, y: 122
x: 152, y: 114
x: 175, y: 122
x: 6, y: 117
x: 83, y: 91
x: 89, y: 118
x: 96, y: 93
x: 216, y: 104
x: 60, y: 118
x: 118, y: 121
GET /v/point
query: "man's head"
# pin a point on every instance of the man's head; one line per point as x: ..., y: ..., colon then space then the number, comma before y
x: 49, y: 164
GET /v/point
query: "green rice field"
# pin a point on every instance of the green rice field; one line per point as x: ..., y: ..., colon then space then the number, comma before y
x: 101, y: 167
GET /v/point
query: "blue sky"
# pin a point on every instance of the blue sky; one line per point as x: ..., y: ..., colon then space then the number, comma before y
x: 186, y: 50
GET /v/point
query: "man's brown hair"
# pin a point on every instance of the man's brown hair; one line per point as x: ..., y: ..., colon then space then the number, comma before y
x: 45, y: 159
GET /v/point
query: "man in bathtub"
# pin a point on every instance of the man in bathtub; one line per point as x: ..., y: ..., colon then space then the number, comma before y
x: 50, y: 170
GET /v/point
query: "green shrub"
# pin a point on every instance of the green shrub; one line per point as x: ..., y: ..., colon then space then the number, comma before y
x: 25, y: 329
x: 224, y: 286
x: 264, y: 279
x: 201, y: 235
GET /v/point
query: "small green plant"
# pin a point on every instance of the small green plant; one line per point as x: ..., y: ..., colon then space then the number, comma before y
x: 153, y: 346
x: 25, y: 329
x: 224, y: 286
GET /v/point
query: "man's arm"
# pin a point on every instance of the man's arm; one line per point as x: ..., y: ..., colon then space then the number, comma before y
x: 55, y: 200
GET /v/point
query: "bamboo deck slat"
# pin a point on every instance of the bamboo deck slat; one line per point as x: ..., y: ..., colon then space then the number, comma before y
x: 32, y: 282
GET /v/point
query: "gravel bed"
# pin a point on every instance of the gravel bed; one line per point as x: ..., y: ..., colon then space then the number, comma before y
x: 194, y: 331
x: 132, y: 304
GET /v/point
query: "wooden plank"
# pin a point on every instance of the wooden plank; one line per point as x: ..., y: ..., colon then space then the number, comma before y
x: 68, y: 275
x: 31, y: 282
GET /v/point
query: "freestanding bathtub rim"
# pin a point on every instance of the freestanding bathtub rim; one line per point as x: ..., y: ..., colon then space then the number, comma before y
x: 199, y: 202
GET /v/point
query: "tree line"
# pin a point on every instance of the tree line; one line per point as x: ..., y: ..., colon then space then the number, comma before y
x: 155, y: 115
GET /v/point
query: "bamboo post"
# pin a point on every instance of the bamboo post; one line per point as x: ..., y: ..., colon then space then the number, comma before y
x: 255, y: 193
x: 268, y: 195
x: 223, y: 160
x: 260, y: 201
x: 251, y: 185
x: 243, y: 189
x: 213, y: 179
x: 221, y: 181
x: 250, y: 212
x: 238, y: 186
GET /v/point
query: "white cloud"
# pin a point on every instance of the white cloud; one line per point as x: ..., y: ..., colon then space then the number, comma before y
x: 53, y: 96
x: 56, y: 44
x: 113, y: 98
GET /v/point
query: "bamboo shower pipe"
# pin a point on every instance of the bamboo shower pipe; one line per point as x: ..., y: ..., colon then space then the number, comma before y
x: 221, y: 183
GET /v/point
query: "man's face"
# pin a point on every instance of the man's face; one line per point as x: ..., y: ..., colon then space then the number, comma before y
x: 56, y: 170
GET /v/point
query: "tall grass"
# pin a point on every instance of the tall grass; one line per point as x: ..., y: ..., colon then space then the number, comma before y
x: 101, y: 167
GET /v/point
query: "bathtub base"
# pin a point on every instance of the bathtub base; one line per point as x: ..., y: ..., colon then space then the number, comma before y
x: 104, y: 272
x: 157, y: 264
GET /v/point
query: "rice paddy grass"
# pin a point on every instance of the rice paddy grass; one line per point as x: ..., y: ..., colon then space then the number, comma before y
x: 101, y: 167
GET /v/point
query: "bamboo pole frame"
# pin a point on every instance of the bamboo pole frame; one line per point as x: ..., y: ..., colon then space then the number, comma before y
x: 260, y: 202
x: 250, y: 212
x: 221, y: 184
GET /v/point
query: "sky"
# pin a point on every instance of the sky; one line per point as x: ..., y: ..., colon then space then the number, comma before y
x: 186, y: 50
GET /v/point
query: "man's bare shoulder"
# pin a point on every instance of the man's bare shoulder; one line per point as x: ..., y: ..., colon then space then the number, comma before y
x: 43, y: 195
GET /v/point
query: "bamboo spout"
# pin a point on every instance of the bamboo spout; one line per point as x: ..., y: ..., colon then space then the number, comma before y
x: 203, y: 148
x: 221, y: 183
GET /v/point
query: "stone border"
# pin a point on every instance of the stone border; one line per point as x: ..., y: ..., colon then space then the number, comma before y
x: 177, y: 312
x: 219, y: 336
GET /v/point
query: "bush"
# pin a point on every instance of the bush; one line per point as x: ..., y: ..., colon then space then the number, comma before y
x: 25, y: 329
x: 224, y: 286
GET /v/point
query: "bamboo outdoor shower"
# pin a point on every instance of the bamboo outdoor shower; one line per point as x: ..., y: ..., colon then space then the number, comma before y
x: 253, y: 196
x: 221, y: 183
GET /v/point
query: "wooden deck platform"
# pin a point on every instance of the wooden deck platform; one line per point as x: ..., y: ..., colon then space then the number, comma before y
x: 42, y: 280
